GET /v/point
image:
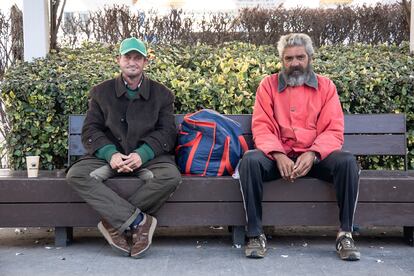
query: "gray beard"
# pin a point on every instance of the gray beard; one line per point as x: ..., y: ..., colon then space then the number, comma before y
x: 296, y: 80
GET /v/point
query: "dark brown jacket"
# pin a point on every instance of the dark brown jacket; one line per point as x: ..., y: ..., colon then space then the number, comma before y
x: 112, y: 118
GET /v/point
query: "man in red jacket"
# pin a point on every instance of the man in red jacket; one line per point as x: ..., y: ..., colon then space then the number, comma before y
x: 298, y: 130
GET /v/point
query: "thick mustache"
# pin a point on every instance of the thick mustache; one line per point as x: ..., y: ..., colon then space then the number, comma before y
x: 297, y: 69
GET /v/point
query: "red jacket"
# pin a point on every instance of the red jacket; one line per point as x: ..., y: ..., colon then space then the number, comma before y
x: 297, y: 119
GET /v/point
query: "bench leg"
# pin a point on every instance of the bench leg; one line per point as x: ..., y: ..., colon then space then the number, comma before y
x: 409, y: 235
x: 63, y: 236
x: 238, y: 235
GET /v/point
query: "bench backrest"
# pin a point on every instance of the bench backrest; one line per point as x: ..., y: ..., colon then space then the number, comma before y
x: 365, y: 135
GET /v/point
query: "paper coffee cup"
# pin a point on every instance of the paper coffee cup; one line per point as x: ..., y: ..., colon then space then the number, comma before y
x: 32, y: 163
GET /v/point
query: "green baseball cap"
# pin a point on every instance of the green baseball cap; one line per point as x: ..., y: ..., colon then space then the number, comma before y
x: 132, y: 44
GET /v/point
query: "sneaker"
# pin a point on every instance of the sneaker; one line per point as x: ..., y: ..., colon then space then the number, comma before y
x: 346, y: 248
x: 116, y: 240
x: 142, y: 236
x: 256, y: 247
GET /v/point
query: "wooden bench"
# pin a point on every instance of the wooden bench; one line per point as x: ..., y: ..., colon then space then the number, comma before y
x: 386, y: 198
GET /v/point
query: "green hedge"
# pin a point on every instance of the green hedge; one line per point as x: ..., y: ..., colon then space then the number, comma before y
x: 38, y: 96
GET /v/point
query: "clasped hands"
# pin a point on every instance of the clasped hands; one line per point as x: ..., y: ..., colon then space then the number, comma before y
x: 290, y: 170
x: 125, y: 163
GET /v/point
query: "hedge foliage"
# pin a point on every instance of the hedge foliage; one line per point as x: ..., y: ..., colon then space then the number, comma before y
x: 372, y: 24
x: 39, y: 95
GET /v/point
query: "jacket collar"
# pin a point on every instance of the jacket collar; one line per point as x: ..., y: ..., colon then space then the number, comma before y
x: 144, y: 90
x: 312, y: 81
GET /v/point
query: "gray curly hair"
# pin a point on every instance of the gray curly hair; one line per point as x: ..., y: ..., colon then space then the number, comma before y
x: 295, y: 39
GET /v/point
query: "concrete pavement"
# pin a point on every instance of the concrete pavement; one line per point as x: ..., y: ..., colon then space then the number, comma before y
x: 203, y: 252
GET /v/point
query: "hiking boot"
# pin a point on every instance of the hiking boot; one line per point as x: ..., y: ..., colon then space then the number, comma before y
x: 142, y: 236
x: 346, y: 248
x: 256, y: 247
x: 116, y: 240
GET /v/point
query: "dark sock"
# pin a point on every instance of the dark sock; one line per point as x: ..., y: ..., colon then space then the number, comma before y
x: 138, y: 219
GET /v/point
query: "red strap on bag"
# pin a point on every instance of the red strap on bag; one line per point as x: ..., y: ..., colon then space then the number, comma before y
x: 243, y: 143
x: 194, y: 143
x: 225, y: 160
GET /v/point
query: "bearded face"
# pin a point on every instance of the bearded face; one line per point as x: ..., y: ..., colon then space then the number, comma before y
x: 296, y: 65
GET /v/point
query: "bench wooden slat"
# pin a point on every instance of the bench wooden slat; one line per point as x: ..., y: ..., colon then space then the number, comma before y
x: 375, y: 144
x: 280, y: 214
x: 375, y: 123
x: 357, y: 144
x: 76, y: 123
x: 367, y: 144
x: 366, y: 124
x: 46, y: 215
x: 75, y: 145
x: 381, y: 188
x: 205, y: 213
x: 354, y: 123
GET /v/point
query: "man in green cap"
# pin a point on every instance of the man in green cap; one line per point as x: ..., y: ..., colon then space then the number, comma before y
x: 129, y: 130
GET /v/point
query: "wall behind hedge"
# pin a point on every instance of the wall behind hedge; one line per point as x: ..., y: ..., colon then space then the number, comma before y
x: 39, y: 95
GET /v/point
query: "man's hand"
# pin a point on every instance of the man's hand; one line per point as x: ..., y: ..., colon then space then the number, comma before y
x: 132, y: 161
x: 285, y: 165
x: 117, y: 162
x: 125, y: 163
x: 303, y: 164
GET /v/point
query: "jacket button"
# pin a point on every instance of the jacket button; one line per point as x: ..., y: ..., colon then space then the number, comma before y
x: 165, y: 145
x: 89, y: 140
x: 119, y: 139
x: 122, y: 120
